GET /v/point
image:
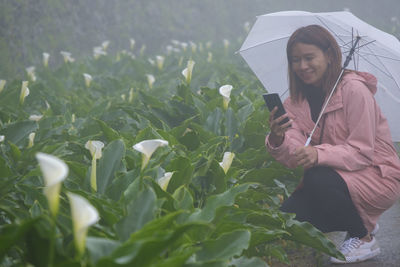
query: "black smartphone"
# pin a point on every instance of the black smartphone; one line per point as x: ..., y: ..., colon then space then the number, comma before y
x: 273, y: 100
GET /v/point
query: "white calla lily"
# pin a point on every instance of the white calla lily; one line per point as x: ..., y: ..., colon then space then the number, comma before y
x: 31, y: 139
x: 88, y: 79
x: 225, y: 91
x: 105, y: 44
x: 164, y: 181
x: 142, y: 49
x: 24, y: 92
x: 227, y: 161
x: 46, y: 57
x: 184, y: 46
x: 95, y: 148
x: 210, y: 56
x: 67, y: 56
x: 98, y: 51
x: 35, y: 117
x: 132, y: 43
x: 147, y: 148
x: 150, y: 80
x: 160, y: 62
x: 31, y: 73
x: 83, y: 216
x: 193, y: 46
x: 208, y: 44
x: 131, y: 95
x: 54, y: 171
x: 187, y: 72
x: 226, y: 43
x: 2, y: 137
x: 2, y: 84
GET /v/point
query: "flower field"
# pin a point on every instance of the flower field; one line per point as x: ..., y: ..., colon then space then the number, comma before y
x: 137, y: 160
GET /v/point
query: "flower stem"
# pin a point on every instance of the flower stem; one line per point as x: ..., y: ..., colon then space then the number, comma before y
x: 93, y: 180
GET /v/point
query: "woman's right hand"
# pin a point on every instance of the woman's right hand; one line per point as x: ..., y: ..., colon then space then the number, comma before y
x: 278, y: 131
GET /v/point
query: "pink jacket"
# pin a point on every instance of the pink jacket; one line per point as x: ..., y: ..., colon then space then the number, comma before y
x: 356, y: 142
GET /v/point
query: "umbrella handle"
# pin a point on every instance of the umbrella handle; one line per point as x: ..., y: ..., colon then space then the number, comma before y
x: 308, y: 141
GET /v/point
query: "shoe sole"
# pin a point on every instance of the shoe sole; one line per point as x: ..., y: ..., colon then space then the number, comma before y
x: 358, y: 259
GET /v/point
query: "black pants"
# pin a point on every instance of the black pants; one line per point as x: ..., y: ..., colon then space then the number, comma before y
x: 325, y: 202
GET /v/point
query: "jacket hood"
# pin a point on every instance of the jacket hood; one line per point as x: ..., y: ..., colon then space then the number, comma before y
x: 368, y: 79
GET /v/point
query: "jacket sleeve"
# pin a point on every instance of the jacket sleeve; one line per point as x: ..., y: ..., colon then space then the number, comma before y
x: 357, y: 151
x: 294, y: 137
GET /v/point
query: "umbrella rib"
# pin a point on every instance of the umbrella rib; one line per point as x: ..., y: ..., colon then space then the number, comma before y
x: 386, y: 71
x: 266, y: 42
x: 372, y: 54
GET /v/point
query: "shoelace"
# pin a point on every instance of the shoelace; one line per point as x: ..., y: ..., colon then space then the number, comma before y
x: 349, y: 244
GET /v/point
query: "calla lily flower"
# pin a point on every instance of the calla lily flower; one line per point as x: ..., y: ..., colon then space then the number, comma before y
x: 73, y: 117
x: 247, y: 26
x: 226, y: 43
x: 151, y: 61
x: 46, y: 57
x: 208, y: 44
x: 31, y: 139
x: 187, y: 72
x: 54, y: 172
x: 175, y: 42
x: 31, y: 73
x: 193, y: 47
x: 88, y: 79
x: 98, y: 51
x: 227, y: 161
x: 210, y: 56
x: 131, y: 95
x: 164, y: 181
x: 123, y: 97
x: 105, y: 45
x: 225, y: 91
x: 184, y: 46
x: 142, y: 49
x: 2, y: 137
x: 24, y: 92
x: 67, y: 56
x: 150, y: 80
x: 95, y: 148
x: 147, y: 149
x: 169, y: 49
x: 132, y: 43
x: 83, y: 216
x: 35, y: 117
x: 2, y: 84
x: 160, y: 62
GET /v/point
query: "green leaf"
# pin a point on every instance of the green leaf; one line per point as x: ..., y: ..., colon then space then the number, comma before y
x: 183, y: 199
x: 183, y: 172
x: 100, y: 247
x: 231, y: 124
x: 18, y: 131
x: 140, y: 210
x: 224, y: 247
x: 11, y: 234
x: 5, y: 170
x: 213, y: 122
x: 109, y: 163
x: 214, y: 202
x: 109, y: 132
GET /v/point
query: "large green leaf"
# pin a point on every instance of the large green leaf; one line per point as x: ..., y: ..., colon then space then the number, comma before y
x: 109, y: 163
x: 140, y: 210
x: 183, y: 172
x: 214, y: 202
x: 17, y: 132
x: 224, y: 247
x: 109, y: 132
x: 100, y: 247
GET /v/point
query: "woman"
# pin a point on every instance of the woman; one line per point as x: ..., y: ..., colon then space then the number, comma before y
x: 352, y: 171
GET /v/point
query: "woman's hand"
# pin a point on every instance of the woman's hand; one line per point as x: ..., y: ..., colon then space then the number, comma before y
x: 278, y: 131
x: 306, y: 156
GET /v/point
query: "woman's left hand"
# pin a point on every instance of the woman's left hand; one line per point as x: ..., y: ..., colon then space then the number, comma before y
x: 306, y: 156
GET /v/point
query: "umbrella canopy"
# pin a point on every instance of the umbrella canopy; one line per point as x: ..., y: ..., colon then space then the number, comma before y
x: 377, y: 52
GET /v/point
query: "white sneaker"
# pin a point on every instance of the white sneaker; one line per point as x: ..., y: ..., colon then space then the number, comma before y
x: 356, y: 250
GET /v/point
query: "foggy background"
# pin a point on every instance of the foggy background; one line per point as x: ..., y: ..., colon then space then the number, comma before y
x: 30, y: 27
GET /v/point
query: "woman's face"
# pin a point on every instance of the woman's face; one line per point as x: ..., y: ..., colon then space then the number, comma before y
x: 309, y: 63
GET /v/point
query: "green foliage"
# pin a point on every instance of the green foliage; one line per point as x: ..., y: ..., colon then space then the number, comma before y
x: 203, y: 217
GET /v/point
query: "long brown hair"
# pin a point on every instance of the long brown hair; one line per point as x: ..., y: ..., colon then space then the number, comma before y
x: 321, y: 38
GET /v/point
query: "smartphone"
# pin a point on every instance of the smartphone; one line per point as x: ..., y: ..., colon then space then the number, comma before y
x: 273, y: 100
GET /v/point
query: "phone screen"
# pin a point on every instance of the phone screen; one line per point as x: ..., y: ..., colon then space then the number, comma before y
x: 273, y: 100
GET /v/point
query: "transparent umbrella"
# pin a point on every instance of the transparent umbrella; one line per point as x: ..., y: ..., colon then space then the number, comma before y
x: 376, y: 52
